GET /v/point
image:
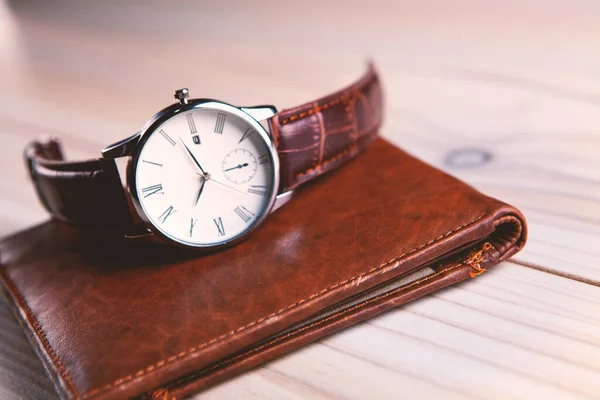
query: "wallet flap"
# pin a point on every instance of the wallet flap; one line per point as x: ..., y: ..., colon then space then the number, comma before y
x: 118, y: 318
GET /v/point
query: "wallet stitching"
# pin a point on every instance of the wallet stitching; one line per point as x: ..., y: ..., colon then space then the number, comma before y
x: 162, y: 394
x: 261, y: 320
x: 339, y: 313
x: 41, y: 335
x: 473, y: 262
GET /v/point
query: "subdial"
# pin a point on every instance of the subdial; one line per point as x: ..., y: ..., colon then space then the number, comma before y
x: 239, y: 166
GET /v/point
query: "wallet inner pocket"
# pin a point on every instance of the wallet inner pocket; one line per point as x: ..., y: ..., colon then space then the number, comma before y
x: 386, y: 287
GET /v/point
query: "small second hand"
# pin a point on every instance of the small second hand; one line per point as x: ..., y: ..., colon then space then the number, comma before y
x: 236, y: 167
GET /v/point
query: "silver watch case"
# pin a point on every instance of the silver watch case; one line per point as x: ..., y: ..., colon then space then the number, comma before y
x: 131, y: 147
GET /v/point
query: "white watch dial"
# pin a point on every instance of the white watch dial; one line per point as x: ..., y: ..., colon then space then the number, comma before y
x: 204, y: 177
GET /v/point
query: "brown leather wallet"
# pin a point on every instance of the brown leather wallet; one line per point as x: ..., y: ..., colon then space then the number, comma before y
x: 112, y: 318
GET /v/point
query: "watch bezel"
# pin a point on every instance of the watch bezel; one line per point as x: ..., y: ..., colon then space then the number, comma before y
x: 161, y: 117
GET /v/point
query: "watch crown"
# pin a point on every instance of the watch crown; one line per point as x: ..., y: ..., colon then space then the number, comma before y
x: 182, y: 95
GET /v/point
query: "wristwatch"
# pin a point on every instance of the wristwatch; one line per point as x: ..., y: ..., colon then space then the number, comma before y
x: 202, y: 173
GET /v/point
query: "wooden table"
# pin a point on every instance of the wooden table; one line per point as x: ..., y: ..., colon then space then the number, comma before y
x: 504, y: 95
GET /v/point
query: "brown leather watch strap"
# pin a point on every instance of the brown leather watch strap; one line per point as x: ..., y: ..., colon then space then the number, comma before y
x: 84, y: 193
x: 319, y: 136
x: 311, y: 139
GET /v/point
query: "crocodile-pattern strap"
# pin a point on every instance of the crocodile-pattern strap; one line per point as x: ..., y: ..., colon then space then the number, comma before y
x: 86, y: 193
x: 319, y: 136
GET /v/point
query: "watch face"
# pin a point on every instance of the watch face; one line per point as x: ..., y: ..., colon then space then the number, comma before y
x: 206, y: 175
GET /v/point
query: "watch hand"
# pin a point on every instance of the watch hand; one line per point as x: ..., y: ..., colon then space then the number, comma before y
x: 229, y: 187
x: 192, y: 155
x: 202, y: 182
x: 237, y: 167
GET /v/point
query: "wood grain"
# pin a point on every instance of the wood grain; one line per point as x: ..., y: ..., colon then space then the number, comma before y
x: 502, y: 95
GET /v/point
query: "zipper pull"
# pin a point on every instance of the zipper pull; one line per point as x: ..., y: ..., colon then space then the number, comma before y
x: 475, y: 260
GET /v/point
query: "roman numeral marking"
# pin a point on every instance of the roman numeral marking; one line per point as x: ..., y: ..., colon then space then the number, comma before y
x: 219, y: 223
x: 191, y: 123
x: 246, y: 134
x: 245, y: 214
x: 163, y: 217
x: 258, y: 189
x: 192, y: 126
x: 153, y: 163
x: 167, y: 137
x: 263, y: 159
x: 192, y: 224
x: 220, y: 123
x: 150, y: 190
